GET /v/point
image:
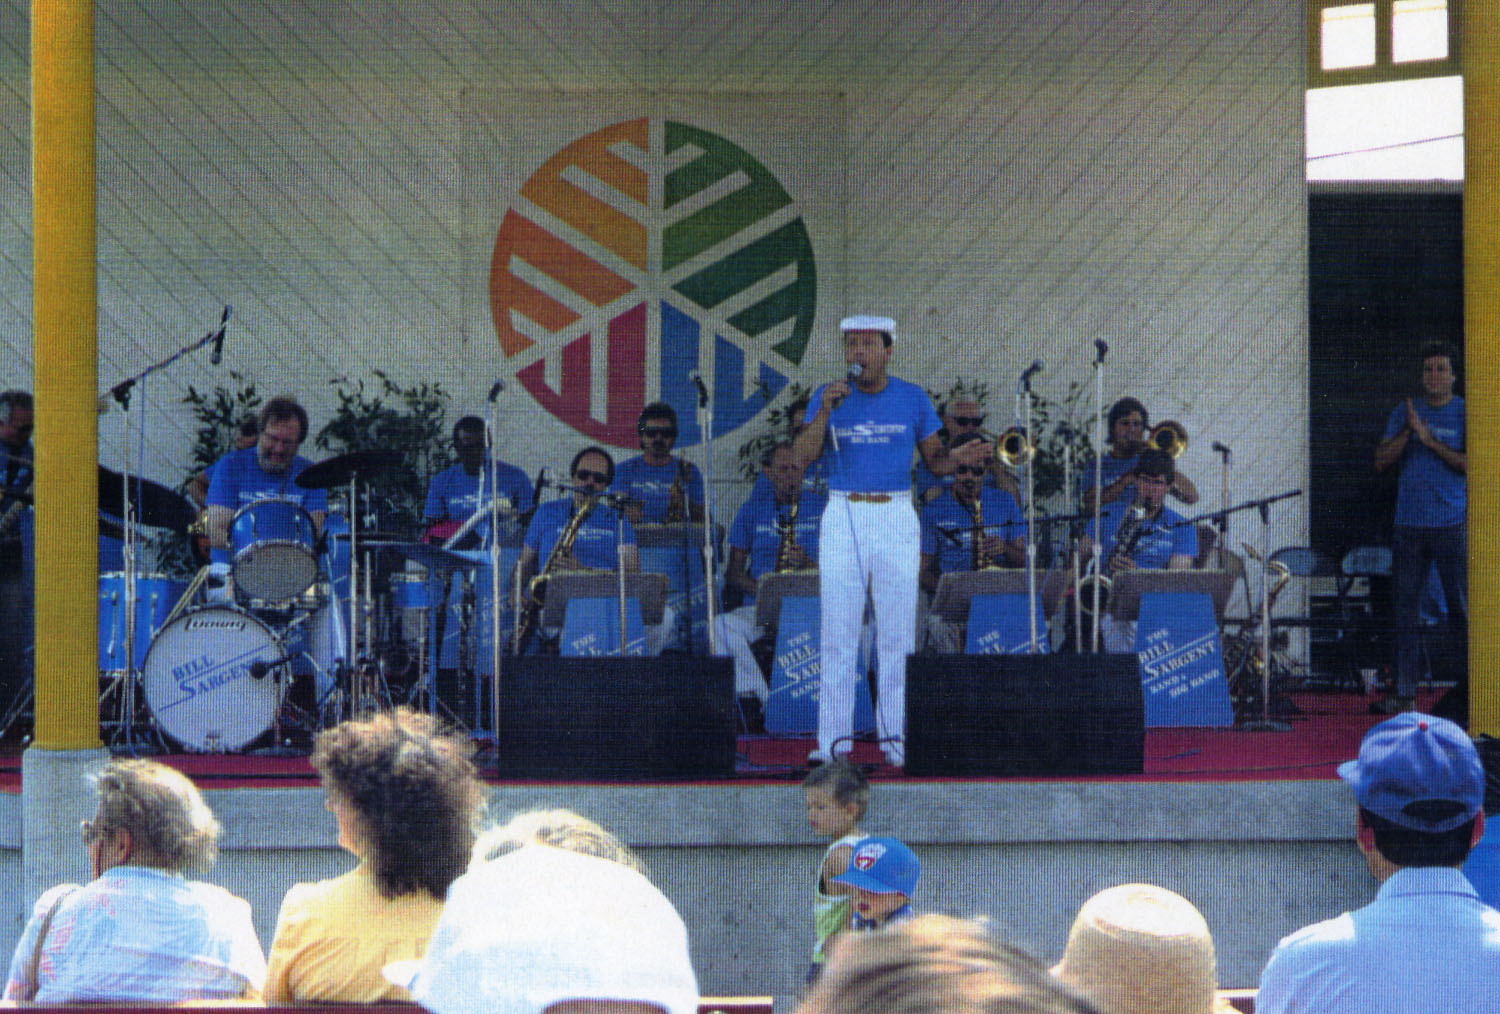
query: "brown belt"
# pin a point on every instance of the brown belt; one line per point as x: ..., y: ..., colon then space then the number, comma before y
x: 869, y: 497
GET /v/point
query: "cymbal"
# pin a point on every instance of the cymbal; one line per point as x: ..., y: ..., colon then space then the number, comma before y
x: 156, y: 505
x: 339, y: 470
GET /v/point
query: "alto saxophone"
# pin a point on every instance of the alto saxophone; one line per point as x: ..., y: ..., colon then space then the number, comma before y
x: 787, y: 526
x: 978, y: 558
x: 677, y: 495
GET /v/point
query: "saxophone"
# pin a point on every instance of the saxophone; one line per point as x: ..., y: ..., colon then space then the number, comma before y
x: 787, y: 526
x: 1132, y: 526
x: 536, y: 589
x: 677, y: 495
x: 978, y: 558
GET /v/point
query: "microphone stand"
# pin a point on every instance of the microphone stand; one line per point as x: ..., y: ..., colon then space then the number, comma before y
x: 1024, y: 394
x: 1266, y: 723
x: 494, y: 555
x: 710, y: 563
x: 619, y: 509
x: 1098, y: 483
x: 1223, y: 519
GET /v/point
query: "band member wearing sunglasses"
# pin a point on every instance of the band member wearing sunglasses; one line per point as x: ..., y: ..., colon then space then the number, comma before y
x: 948, y: 524
x: 961, y: 416
x: 651, y: 477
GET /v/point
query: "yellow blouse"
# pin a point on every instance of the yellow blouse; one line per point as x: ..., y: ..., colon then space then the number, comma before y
x: 334, y: 936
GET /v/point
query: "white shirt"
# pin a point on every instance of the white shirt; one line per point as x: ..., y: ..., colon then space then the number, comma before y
x: 1425, y: 945
x: 139, y: 934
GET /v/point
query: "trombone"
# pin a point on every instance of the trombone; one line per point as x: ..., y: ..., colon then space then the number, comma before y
x: 1169, y: 436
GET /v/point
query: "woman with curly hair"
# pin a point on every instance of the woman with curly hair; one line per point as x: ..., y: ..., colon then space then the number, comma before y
x: 140, y: 931
x: 406, y: 798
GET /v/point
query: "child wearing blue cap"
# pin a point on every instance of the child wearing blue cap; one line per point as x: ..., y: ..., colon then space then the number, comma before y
x: 883, y: 875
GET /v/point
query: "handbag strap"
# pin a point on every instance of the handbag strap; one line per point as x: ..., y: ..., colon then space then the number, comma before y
x: 41, y: 938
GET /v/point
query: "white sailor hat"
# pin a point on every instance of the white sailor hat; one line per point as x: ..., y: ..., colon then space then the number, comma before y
x: 865, y: 322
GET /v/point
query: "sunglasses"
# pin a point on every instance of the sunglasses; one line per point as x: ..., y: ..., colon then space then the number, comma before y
x: 589, y: 475
x: 658, y: 433
x: 969, y: 420
x: 969, y: 470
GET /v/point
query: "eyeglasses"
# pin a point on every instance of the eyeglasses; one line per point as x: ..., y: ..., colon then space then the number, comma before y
x: 658, y: 433
x: 969, y: 470
x: 969, y: 420
x: 91, y: 832
x: 589, y: 475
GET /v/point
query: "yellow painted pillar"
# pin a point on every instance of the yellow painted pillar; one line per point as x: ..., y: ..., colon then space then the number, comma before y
x: 64, y: 354
x: 1480, y: 34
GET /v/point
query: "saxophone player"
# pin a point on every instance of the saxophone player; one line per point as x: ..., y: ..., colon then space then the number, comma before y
x: 971, y: 523
x: 1159, y: 540
x: 664, y: 487
x: 775, y: 530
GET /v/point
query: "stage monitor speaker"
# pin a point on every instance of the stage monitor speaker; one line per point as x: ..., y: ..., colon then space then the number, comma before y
x: 1027, y: 715
x: 617, y: 718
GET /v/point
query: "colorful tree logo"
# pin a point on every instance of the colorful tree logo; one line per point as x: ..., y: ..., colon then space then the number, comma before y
x: 628, y: 252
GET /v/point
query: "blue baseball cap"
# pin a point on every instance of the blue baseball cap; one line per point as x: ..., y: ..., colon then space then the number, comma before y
x: 881, y: 866
x: 1417, y: 758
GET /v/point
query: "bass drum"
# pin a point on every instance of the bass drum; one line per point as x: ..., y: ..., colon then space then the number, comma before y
x: 213, y: 678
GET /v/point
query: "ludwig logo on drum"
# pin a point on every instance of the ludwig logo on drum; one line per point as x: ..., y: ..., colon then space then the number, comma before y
x: 677, y: 251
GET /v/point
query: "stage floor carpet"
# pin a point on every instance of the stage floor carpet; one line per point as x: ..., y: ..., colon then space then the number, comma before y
x: 1325, y: 731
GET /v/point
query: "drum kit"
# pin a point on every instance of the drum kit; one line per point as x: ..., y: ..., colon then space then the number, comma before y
x: 297, y: 638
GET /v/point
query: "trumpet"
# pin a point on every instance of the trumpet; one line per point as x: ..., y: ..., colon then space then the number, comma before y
x: 1014, y: 447
x: 1169, y: 436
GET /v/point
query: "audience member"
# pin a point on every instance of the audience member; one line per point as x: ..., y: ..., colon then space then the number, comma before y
x: 1142, y: 949
x: 545, y: 931
x: 561, y: 829
x: 140, y: 931
x: 836, y: 795
x: 405, y: 797
x: 936, y: 964
x: 1426, y: 943
x: 883, y: 876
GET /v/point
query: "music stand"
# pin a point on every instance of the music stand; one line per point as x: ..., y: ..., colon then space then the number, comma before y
x: 1128, y: 587
x: 676, y: 534
x: 650, y: 590
x: 772, y: 588
x: 956, y: 588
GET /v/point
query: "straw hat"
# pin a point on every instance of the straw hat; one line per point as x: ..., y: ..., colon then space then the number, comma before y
x: 1141, y: 949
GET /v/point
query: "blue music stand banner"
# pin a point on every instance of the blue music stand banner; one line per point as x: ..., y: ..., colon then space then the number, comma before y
x: 1001, y: 625
x: 591, y: 626
x: 1182, y: 663
x: 797, y: 670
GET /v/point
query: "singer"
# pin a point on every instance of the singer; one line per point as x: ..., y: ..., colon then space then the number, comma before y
x: 455, y: 493
x: 865, y: 429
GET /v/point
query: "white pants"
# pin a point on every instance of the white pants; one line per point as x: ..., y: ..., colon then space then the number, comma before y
x: 734, y: 631
x: 875, y: 546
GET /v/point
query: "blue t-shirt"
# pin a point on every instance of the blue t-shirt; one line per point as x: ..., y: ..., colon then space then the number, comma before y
x: 1429, y: 494
x: 947, y: 513
x: 238, y: 480
x: 1161, y: 538
x: 877, y: 436
x: 756, y: 532
x: 455, y: 494
x: 814, y: 483
x: 652, y: 486
x: 595, y: 544
x: 1110, y: 469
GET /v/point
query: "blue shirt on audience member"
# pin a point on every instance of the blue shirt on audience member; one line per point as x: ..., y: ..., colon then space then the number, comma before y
x: 595, y: 543
x: 652, y: 486
x: 1429, y: 494
x: 998, y: 508
x: 877, y: 434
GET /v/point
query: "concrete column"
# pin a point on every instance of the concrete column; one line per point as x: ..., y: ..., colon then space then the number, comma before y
x: 55, y: 797
x: 1480, y: 32
x: 64, y: 353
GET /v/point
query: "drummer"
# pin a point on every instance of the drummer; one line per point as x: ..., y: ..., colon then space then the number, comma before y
x: 457, y: 492
x: 264, y: 471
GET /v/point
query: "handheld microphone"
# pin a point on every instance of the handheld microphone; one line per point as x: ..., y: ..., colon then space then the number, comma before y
x: 697, y: 379
x: 1102, y: 348
x: 854, y: 372
x: 216, y: 355
x: 497, y: 388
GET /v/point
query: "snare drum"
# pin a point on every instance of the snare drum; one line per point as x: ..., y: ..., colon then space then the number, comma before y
x: 271, y: 544
x: 155, y: 597
x: 213, y: 678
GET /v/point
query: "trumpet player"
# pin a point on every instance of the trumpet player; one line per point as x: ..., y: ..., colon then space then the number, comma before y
x: 950, y: 524
x: 962, y: 416
x: 1128, y: 436
x: 778, y: 532
x: 1159, y: 539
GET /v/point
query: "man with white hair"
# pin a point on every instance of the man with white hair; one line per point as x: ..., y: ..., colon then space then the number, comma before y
x: 1426, y: 943
x: 866, y: 429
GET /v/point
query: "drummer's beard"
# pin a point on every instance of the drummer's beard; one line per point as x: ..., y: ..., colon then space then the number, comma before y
x: 270, y: 464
